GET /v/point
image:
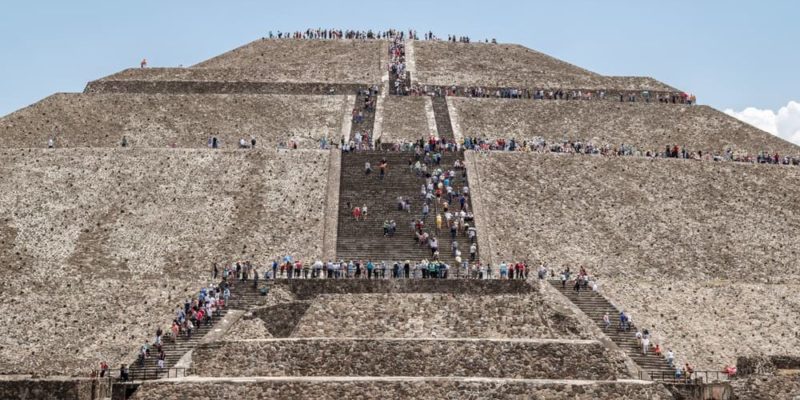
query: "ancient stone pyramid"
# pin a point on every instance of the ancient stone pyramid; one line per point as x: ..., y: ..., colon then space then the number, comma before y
x: 101, y: 242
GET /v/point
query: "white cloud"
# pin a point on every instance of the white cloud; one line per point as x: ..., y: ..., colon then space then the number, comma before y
x: 785, y: 123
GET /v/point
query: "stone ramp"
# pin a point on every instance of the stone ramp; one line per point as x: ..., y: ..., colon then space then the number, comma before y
x: 433, y: 388
x: 344, y: 356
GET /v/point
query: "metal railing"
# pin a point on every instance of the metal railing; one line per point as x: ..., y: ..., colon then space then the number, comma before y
x: 695, y: 378
x: 136, y: 373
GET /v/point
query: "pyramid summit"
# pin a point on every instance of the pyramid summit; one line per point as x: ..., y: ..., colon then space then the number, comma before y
x: 381, y: 214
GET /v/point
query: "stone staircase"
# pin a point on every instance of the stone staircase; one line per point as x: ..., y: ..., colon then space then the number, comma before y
x: 364, y: 240
x: 368, y: 124
x: 243, y: 295
x: 594, y: 305
x: 442, y: 116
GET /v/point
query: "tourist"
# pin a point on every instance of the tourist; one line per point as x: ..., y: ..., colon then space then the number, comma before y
x: 161, y: 358
x: 103, y: 369
x: 606, y: 321
x: 123, y: 373
x: 143, y: 63
x: 670, y: 358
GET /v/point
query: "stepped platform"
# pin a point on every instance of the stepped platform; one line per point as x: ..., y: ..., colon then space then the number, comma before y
x: 343, y: 356
x: 440, y: 315
x: 185, y: 121
x: 671, y: 241
x: 284, y: 60
x: 398, y: 387
x: 647, y: 126
x: 508, y: 65
x: 211, y: 81
x: 136, y: 230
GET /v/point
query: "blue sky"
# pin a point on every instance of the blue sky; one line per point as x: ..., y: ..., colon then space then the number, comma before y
x: 731, y: 55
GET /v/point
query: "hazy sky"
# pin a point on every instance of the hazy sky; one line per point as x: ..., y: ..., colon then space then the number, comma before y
x: 730, y: 54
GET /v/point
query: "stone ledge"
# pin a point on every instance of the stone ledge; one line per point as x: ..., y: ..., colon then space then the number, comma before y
x: 305, y: 289
x: 528, y: 359
x: 335, y: 388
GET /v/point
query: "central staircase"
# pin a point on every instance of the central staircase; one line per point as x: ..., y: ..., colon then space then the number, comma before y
x: 364, y: 240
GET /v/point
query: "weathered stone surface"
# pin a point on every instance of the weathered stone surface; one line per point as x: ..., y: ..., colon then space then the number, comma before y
x: 55, y: 388
x: 431, y: 388
x: 404, y: 119
x: 187, y: 121
x: 522, y: 359
x: 341, y: 61
x: 209, y: 81
x: 281, y: 320
x: 120, y: 237
x: 437, y: 315
x: 767, y: 387
x: 763, y: 364
x: 646, y: 126
x: 248, y: 328
x: 673, y: 242
x: 509, y: 65
x: 305, y: 289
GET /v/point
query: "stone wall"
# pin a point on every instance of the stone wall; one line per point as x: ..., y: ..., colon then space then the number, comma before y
x: 509, y: 65
x: 160, y: 121
x: 404, y: 119
x: 135, y: 230
x: 339, y: 61
x: 646, y: 126
x: 694, y: 250
x: 437, y: 315
x: 305, y: 289
x: 763, y: 364
x: 390, y: 388
x: 519, y: 359
x: 61, y: 389
x: 767, y: 387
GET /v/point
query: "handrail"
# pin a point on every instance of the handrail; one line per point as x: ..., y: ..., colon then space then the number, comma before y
x: 141, y: 374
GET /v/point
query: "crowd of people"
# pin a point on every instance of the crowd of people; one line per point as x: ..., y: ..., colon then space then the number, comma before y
x: 369, y: 34
x: 362, y: 135
x: 290, y: 268
x: 328, y: 34
x: 397, y: 67
x: 540, y: 145
x: 625, y: 96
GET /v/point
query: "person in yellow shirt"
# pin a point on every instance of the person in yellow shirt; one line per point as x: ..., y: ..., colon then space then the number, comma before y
x: 438, y: 222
